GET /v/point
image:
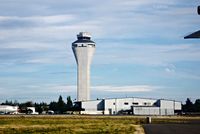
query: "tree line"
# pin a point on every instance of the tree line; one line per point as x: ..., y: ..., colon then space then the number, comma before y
x: 190, y: 107
x: 58, y: 107
x: 61, y: 107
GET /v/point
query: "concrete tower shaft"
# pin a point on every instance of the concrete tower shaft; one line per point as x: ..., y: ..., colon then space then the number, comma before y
x: 83, y: 50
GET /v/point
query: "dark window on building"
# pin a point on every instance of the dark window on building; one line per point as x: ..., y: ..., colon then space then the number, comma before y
x: 113, y: 103
x: 147, y: 103
x: 125, y: 103
x: 91, y: 44
x: 135, y: 103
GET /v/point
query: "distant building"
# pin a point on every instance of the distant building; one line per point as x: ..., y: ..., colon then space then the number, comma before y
x: 134, y: 106
x: 31, y: 110
x: 7, y: 109
x: 83, y: 49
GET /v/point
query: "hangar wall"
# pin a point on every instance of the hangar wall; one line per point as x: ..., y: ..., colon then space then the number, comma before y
x: 135, y: 106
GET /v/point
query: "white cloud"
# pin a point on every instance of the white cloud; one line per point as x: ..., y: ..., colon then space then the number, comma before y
x: 104, y: 21
x: 156, y: 55
x: 62, y: 88
x: 182, y: 74
x: 134, y: 88
x: 39, y: 61
x: 51, y: 19
x: 29, y: 46
x: 170, y: 68
x: 106, y: 88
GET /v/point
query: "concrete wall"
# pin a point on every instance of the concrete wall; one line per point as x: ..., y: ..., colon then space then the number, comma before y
x: 83, y: 54
x: 94, y: 105
x: 165, y: 111
x: 166, y: 104
x: 146, y: 111
x: 178, y: 105
x: 116, y: 105
x: 113, y: 106
x: 167, y: 107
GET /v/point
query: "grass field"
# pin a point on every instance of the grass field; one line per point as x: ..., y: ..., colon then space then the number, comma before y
x: 68, y: 124
x: 78, y: 124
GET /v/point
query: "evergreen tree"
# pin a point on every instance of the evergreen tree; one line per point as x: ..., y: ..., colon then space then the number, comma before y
x: 53, y: 106
x: 188, y: 107
x: 40, y: 107
x: 61, y: 105
x: 197, y: 105
x: 69, y: 103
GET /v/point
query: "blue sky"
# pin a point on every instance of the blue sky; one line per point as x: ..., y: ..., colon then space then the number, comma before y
x: 140, y: 50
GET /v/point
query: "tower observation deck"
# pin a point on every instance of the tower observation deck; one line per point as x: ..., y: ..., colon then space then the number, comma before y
x: 83, y: 49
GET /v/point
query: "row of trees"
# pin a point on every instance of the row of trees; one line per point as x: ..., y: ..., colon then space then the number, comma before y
x: 189, y: 106
x: 58, y: 107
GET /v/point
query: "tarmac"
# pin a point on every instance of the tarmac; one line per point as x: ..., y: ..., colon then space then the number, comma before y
x: 189, y: 128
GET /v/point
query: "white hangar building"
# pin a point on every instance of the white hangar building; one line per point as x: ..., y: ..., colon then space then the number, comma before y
x: 134, y: 106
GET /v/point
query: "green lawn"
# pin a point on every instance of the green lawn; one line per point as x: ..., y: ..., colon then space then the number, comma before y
x: 68, y: 124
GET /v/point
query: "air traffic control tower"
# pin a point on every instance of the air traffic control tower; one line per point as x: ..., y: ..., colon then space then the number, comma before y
x: 83, y: 50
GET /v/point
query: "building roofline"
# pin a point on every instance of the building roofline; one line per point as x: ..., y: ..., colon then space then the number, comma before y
x: 132, y: 98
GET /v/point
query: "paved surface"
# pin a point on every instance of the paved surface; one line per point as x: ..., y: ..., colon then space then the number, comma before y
x: 172, y: 128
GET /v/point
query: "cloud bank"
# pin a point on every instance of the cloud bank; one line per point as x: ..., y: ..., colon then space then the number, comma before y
x: 146, y: 36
